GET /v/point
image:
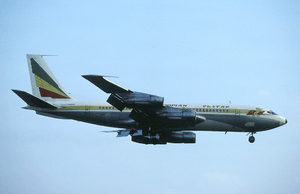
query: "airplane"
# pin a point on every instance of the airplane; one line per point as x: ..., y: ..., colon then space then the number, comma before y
x: 145, y: 117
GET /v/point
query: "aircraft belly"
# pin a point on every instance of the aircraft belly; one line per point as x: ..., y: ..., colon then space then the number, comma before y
x: 240, y: 123
x: 211, y: 125
x: 215, y: 122
x: 110, y: 119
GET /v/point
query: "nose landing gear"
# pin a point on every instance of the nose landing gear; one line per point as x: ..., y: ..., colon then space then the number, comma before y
x: 251, y: 138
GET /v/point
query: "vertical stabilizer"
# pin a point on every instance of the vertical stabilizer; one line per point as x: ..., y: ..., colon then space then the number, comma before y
x: 43, y: 82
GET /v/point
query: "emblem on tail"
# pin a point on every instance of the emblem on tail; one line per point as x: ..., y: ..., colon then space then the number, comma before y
x: 44, y: 83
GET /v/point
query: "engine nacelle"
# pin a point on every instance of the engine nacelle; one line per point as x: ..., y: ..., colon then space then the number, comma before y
x: 173, y: 117
x: 178, y: 114
x: 172, y: 137
x: 147, y: 140
x: 180, y: 137
x: 137, y: 99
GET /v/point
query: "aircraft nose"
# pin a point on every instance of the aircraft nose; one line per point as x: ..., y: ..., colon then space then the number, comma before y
x: 282, y: 121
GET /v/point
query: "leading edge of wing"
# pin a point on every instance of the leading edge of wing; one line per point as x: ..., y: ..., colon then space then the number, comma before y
x: 105, y: 84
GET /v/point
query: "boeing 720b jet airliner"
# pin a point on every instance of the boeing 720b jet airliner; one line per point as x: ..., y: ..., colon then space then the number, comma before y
x: 143, y: 116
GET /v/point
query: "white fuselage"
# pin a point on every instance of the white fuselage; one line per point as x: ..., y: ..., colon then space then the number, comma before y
x: 219, y: 117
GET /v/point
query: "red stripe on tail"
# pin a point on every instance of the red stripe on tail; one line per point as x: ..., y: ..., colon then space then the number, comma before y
x: 47, y: 93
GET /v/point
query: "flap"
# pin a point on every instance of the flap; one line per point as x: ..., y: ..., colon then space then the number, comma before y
x: 123, y: 133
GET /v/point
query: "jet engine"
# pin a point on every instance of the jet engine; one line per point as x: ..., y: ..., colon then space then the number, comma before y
x: 172, y: 137
x: 173, y: 117
x: 180, y: 137
x: 135, y: 100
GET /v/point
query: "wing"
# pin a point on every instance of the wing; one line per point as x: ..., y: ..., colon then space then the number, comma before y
x: 122, y: 97
x: 147, y: 110
x: 105, y: 84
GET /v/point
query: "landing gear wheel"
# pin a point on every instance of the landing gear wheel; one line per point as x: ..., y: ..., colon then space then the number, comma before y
x: 251, y: 139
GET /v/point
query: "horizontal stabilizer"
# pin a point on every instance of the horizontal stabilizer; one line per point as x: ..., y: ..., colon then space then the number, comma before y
x: 106, y: 85
x: 33, y: 101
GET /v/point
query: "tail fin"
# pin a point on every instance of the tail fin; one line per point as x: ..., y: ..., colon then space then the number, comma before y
x: 43, y: 82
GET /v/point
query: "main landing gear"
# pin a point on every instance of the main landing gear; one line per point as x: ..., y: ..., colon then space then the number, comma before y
x: 149, y: 131
x: 251, y: 138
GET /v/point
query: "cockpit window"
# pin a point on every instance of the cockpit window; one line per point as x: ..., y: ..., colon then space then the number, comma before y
x: 271, y: 112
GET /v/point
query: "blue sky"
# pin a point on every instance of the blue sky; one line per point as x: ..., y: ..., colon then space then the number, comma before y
x: 246, y: 52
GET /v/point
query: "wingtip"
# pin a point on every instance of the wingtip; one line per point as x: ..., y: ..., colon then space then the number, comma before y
x: 16, y: 91
x: 86, y: 76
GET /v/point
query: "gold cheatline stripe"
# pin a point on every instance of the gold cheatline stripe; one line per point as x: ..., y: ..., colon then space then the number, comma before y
x: 45, y: 85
